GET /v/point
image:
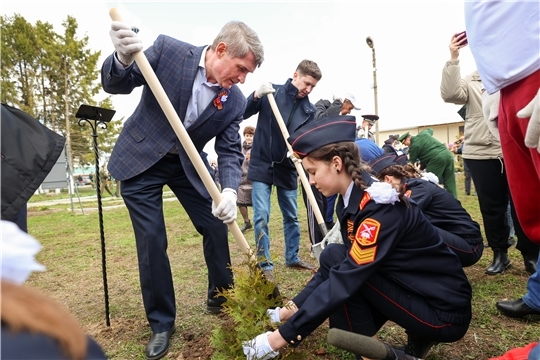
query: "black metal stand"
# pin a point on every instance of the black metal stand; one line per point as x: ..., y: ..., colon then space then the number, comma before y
x: 98, y: 117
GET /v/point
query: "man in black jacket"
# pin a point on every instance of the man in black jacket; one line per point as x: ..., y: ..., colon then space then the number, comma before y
x: 342, y: 105
x: 270, y: 165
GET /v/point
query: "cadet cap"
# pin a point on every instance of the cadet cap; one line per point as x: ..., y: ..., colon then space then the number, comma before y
x: 323, y: 131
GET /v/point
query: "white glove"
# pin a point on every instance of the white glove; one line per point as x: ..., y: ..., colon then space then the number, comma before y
x: 274, y: 315
x: 265, y: 88
x: 490, y: 108
x: 429, y: 176
x: 259, y: 348
x: 226, y: 210
x: 532, y: 111
x: 125, y: 42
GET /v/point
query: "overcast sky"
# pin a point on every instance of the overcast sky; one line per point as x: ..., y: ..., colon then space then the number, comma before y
x: 411, y: 45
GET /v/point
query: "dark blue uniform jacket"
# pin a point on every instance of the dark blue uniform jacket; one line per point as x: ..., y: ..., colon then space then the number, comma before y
x: 396, y: 241
x: 442, y: 209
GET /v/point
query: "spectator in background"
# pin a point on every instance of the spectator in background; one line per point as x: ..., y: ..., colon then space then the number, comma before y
x: 483, y: 155
x: 270, y: 166
x: 364, y: 131
x: 104, y: 180
x: 342, y: 105
x: 508, y: 60
x: 390, y: 143
x: 245, y: 187
x: 434, y: 156
x: 505, y: 42
x: 91, y: 178
x: 457, y: 148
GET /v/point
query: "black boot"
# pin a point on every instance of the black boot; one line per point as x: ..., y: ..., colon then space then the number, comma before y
x: 418, y: 346
x: 530, y: 260
x: 501, y: 262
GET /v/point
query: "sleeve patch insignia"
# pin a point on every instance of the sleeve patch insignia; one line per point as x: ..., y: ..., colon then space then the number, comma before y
x: 363, y: 256
x: 368, y: 232
x: 362, y: 250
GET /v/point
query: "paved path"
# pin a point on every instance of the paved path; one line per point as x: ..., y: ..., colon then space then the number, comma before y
x: 168, y: 196
x: 75, y: 200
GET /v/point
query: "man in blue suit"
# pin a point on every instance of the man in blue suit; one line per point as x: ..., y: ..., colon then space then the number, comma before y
x: 201, y: 85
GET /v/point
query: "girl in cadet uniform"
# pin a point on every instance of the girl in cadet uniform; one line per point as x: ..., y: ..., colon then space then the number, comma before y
x: 393, y: 265
x: 455, y: 225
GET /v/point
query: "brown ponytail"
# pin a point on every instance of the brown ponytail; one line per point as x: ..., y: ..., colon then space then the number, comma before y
x: 412, y: 171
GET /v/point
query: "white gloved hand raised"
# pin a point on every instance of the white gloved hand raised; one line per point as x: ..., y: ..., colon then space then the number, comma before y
x: 273, y: 314
x: 125, y: 41
x: 226, y: 210
x: 532, y: 111
x: 490, y: 109
x: 265, y: 88
x: 259, y: 348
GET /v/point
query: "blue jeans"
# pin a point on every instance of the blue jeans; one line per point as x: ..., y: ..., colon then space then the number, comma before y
x: 535, y: 353
x: 532, y: 298
x: 287, y: 200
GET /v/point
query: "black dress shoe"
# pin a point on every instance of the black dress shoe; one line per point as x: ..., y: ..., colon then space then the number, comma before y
x: 214, y: 306
x: 158, y: 345
x: 515, y: 308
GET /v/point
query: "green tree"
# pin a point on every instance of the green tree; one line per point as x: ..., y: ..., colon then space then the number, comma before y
x: 46, y: 87
x: 19, y: 63
x: 49, y: 75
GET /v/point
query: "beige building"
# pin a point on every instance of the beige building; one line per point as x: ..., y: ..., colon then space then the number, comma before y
x: 445, y: 133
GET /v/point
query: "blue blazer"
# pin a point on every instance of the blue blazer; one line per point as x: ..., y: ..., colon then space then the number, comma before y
x: 147, y: 134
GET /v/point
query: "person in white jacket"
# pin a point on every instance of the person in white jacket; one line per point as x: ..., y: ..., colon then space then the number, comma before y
x: 505, y: 41
x: 483, y: 155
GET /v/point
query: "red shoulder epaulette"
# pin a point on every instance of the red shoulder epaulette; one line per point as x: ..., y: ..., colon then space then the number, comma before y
x: 365, y: 198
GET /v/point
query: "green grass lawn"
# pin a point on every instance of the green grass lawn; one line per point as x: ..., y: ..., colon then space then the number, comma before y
x: 72, y: 254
